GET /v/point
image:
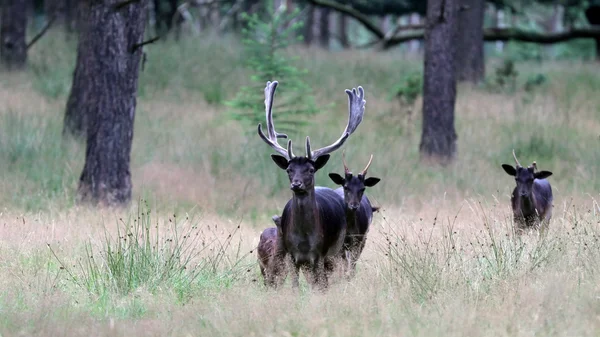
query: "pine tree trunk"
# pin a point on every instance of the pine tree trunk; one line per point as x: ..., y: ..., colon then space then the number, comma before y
x: 470, y: 64
x: 343, y: 30
x: 13, y: 48
x: 438, y: 139
x: 324, y: 28
x: 592, y: 14
x: 308, y: 25
x: 104, y: 91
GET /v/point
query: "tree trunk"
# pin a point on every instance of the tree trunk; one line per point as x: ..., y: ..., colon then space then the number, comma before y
x: 308, y: 25
x: 470, y: 64
x: 343, y: 30
x: 438, y: 140
x: 13, y: 48
x: 592, y: 14
x: 324, y: 27
x: 104, y: 91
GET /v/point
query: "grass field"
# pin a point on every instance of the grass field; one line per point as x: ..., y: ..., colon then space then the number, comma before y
x: 441, y: 258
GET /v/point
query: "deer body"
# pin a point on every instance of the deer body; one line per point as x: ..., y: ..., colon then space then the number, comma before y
x: 359, y: 211
x: 531, y: 199
x: 266, y: 249
x: 535, y: 208
x: 313, y: 223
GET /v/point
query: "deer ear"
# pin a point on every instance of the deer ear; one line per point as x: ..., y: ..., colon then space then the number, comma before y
x: 281, y: 161
x: 509, y: 169
x: 277, y: 220
x: 371, y: 181
x: 336, y: 178
x: 321, y: 161
x: 542, y: 174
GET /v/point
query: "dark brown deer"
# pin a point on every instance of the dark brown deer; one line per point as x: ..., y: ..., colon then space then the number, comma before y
x: 313, y: 222
x: 532, y: 197
x: 359, y: 211
x: 266, y: 246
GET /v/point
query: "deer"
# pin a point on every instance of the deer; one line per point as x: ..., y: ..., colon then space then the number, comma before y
x: 531, y: 199
x: 359, y: 211
x: 266, y: 247
x: 313, y: 221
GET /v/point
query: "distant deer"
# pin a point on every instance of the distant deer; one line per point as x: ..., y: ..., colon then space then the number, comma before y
x: 313, y: 223
x: 266, y: 247
x: 359, y: 211
x: 532, y: 197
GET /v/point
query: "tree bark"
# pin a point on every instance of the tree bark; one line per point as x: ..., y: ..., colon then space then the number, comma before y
x: 13, y: 47
x: 438, y: 139
x: 104, y: 92
x: 592, y: 14
x: 470, y: 63
x: 324, y: 27
x: 343, y: 30
x: 308, y: 25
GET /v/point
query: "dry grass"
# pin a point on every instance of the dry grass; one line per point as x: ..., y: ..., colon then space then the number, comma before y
x: 441, y: 257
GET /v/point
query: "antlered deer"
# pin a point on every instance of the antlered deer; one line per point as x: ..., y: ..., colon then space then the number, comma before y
x: 532, y: 197
x: 313, y: 223
x: 359, y: 211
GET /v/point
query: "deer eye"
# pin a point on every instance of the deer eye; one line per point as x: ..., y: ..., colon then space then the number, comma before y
x: 288, y: 170
x: 311, y: 170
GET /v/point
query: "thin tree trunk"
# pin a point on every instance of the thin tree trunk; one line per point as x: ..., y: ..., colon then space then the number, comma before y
x: 105, y: 83
x: 324, y: 27
x: 592, y: 14
x: 414, y: 45
x: 343, y: 30
x: 308, y: 25
x: 13, y: 48
x: 470, y: 64
x: 438, y: 140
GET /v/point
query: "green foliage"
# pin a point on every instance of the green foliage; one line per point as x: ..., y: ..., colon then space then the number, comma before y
x: 409, y: 88
x: 265, y: 40
x: 506, y: 76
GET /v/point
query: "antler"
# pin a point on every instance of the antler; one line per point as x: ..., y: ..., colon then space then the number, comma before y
x: 364, y: 172
x: 534, y: 165
x: 346, y: 169
x: 272, y: 135
x: 516, y: 161
x: 356, y: 110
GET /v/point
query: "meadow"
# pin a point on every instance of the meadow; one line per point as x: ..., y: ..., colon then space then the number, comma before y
x: 441, y: 257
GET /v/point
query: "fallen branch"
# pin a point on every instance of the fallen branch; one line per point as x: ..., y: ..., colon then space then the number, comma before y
x: 141, y: 44
x: 42, y: 32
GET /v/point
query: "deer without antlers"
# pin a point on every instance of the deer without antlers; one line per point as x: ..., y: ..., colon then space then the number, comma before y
x: 532, y: 198
x: 359, y: 211
x: 313, y: 223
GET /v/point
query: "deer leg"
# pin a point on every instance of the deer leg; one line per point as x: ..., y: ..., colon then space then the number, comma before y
x: 319, y: 275
x: 295, y: 276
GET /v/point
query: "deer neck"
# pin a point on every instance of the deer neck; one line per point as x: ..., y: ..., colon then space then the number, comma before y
x: 305, y: 211
x: 527, y: 204
x: 351, y: 219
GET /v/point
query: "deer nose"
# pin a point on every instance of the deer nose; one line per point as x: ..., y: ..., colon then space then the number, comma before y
x: 353, y: 206
x: 524, y: 194
x: 296, y: 185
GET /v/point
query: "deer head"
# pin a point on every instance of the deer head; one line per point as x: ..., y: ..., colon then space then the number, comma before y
x: 524, y: 176
x: 301, y: 169
x: 354, y: 186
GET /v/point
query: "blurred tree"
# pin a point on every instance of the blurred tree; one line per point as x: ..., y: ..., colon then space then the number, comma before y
x: 470, y: 64
x: 324, y: 32
x: 308, y: 25
x: 13, y: 23
x: 164, y: 13
x: 592, y: 13
x: 104, y: 90
x: 264, y: 41
x: 438, y: 138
